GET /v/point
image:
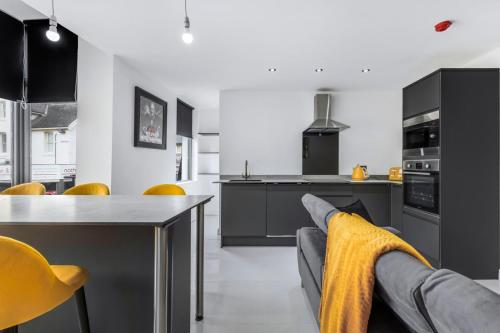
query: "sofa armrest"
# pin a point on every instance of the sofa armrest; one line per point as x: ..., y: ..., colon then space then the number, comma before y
x: 393, y: 230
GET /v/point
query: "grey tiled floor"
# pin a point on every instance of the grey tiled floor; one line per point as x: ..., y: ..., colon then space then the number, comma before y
x: 251, y: 289
x: 255, y: 289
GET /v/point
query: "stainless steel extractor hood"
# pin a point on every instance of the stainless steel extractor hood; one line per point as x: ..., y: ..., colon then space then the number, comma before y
x: 323, y: 122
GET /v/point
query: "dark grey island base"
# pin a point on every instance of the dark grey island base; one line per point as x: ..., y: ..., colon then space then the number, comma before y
x: 267, y: 210
x: 137, y: 250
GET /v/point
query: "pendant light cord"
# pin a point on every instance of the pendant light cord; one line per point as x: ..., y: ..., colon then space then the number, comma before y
x: 52, y: 7
x: 185, y: 8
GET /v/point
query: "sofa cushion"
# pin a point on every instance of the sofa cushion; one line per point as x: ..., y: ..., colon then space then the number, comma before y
x: 398, y: 280
x: 313, y: 246
x: 457, y: 304
x: 322, y: 211
x: 358, y: 208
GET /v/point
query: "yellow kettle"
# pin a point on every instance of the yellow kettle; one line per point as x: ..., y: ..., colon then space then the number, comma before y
x: 359, y: 173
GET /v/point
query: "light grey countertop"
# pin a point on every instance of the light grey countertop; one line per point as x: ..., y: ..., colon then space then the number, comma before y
x: 304, y: 179
x: 96, y: 210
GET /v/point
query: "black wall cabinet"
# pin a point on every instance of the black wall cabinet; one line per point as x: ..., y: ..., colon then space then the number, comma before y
x: 422, y: 96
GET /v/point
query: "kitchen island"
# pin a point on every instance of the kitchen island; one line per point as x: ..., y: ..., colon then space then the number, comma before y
x: 137, y: 250
x: 267, y: 210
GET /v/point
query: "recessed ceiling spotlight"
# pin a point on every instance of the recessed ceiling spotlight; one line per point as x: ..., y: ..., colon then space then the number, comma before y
x: 272, y: 69
x: 365, y: 70
x: 319, y: 70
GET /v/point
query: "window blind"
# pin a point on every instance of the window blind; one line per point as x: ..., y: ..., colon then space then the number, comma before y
x: 184, y: 119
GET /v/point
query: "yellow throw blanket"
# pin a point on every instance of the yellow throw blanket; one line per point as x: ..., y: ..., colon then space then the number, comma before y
x: 352, y: 250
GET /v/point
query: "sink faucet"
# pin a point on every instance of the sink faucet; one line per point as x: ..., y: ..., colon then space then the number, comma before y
x: 246, y: 175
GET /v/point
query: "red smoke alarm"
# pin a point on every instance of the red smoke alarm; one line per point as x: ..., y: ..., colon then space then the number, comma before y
x: 443, y: 26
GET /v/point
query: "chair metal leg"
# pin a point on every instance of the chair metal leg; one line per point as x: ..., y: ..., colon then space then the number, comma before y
x: 83, y: 316
x: 12, y: 329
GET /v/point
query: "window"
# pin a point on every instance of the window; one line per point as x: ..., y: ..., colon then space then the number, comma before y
x: 6, y: 108
x: 3, y: 143
x: 53, y: 145
x: 3, y: 110
x: 49, y: 142
x: 183, y: 158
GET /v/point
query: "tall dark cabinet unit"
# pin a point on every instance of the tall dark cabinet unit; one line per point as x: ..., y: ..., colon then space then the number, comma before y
x: 465, y: 236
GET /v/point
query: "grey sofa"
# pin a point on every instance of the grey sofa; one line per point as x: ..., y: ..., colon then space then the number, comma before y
x: 409, y: 296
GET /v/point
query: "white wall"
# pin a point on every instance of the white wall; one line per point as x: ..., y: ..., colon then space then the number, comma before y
x: 95, y: 114
x: 208, y: 120
x: 265, y: 128
x: 105, y: 150
x: 135, y: 169
x: 487, y: 60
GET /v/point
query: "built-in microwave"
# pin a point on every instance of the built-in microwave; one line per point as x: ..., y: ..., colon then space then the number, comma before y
x: 421, y: 135
x: 421, y: 185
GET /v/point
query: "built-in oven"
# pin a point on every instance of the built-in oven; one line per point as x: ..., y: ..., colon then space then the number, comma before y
x: 421, y: 185
x: 421, y: 135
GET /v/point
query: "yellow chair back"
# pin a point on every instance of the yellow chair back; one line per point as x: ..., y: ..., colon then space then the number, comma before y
x: 165, y: 189
x: 29, y: 286
x: 25, y: 189
x: 88, y: 189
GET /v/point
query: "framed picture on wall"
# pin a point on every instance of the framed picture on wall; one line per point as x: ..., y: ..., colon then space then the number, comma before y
x: 150, y: 121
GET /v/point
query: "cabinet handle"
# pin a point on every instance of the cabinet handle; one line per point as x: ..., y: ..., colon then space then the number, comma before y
x: 416, y: 173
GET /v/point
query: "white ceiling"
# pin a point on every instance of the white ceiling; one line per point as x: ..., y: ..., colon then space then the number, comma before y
x: 237, y: 41
x: 19, y: 10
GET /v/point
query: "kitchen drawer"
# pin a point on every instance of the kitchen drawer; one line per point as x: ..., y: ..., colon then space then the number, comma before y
x: 422, y: 234
x: 338, y: 195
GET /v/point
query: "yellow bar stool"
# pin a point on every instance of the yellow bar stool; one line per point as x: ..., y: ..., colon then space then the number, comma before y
x: 31, y: 287
x: 88, y: 189
x: 165, y: 189
x: 25, y: 189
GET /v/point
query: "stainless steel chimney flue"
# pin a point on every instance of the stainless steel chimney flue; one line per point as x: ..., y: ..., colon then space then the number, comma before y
x: 322, y: 116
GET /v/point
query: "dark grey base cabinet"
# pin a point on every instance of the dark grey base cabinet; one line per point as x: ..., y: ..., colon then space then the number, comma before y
x: 397, y: 206
x: 422, y: 231
x: 285, y: 212
x: 271, y: 214
x: 376, y: 198
x: 244, y: 210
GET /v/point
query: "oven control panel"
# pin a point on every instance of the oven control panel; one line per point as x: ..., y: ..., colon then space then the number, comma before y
x: 421, y: 165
